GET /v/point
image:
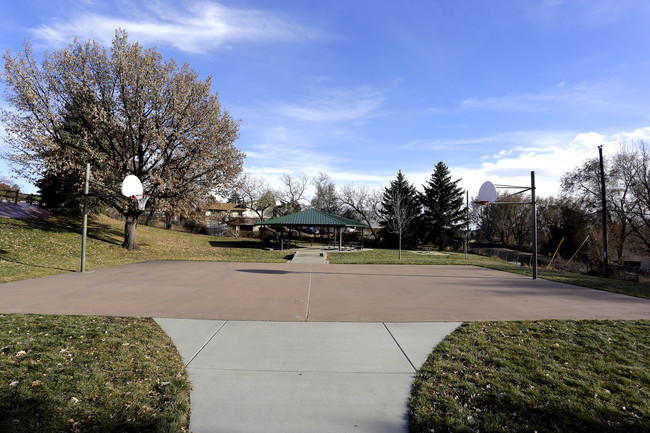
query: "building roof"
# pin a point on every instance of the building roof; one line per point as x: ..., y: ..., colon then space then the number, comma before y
x: 312, y: 218
x: 225, y: 207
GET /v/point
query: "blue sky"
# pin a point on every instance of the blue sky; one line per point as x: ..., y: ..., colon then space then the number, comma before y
x: 361, y: 89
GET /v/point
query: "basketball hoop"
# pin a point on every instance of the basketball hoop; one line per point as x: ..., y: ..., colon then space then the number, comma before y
x: 487, y: 194
x: 141, y: 199
x: 484, y: 203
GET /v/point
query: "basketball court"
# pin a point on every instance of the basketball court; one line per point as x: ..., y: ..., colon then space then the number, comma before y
x: 294, y: 292
x: 281, y: 354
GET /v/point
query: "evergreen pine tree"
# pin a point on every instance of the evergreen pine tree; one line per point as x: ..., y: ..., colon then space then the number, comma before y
x: 443, y: 213
x: 399, y: 211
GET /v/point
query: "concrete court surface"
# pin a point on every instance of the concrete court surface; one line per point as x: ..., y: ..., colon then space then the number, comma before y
x: 316, y: 376
x: 284, y: 377
x: 292, y: 292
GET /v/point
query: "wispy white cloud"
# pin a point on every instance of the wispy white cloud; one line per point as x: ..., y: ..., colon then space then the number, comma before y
x: 282, y: 149
x: 512, y: 166
x: 605, y: 96
x: 300, y: 136
x: 593, y: 13
x: 197, y: 28
x: 334, y: 105
x: 516, y: 140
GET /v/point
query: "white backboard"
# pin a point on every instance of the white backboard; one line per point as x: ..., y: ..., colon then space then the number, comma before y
x: 487, y: 193
x: 131, y: 186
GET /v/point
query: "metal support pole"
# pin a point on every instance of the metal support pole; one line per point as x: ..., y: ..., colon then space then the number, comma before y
x: 534, y: 222
x: 84, y: 229
x: 604, y: 212
x: 466, y: 222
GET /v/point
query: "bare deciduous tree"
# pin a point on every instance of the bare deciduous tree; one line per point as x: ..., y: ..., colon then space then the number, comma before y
x: 362, y: 204
x: 292, y: 193
x: 256, y: 195
x: 325, y: 197
x: 583, y: 185
x: 632, y: 170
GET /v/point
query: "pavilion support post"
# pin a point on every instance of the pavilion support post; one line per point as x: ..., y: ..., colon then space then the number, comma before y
x: 340, y: 239
x: 281, y: 239
x: 362, y: 237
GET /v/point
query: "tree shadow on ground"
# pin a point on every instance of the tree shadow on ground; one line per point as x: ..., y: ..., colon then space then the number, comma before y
x: 9, y: 259
x: 236, y: 244
x: 21, y: 412
x: 268, y: 271
x: 99, y: 231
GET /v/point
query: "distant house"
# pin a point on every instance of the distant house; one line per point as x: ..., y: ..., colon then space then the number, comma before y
x: 225, y: 210
x: 225, y: 219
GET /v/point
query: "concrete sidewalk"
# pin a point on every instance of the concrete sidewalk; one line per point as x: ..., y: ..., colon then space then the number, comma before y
x: 301, y: 377
x: 310, y: 256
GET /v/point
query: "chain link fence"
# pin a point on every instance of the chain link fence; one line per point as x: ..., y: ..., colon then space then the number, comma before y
x: 521, y: 258
x: 516, y: 257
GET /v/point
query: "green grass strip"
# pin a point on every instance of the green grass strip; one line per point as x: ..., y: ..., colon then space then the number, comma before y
x: 544, y: 376
x: 389, y: 256
x: 88, y: 373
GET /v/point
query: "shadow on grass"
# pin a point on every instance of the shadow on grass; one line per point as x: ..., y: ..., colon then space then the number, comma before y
x: 37, y: 412
x: 99, y: 231
x: 9, y: 259
x: 236, y: 244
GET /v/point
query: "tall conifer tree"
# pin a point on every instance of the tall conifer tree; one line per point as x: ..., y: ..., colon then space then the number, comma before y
x: 400, y: 210
x: 443, y: 213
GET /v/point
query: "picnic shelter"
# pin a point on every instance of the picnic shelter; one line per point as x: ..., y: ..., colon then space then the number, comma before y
x: 314, y: 218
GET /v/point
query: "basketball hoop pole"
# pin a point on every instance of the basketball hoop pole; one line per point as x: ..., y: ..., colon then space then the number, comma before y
x: 534, y: 222
x: 533, y: 217
x: 139, y: 197
x: 84, y: 229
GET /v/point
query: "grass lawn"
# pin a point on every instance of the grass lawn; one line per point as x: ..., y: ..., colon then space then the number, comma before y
x: 388, y: 256
x: 36, y: 248
x: 545, y: 376
x: 87, y: 373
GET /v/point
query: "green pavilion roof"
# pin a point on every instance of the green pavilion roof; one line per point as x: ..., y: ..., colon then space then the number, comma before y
x: 310, y: 218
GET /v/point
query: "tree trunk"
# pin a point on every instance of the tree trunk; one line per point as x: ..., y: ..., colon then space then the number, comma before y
x: 400, y: 245
x: 130, y: 242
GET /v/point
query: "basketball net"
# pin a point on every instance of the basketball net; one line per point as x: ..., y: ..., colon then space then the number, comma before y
x: 141, y: 199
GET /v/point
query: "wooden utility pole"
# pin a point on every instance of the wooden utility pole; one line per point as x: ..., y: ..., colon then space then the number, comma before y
x: 604, y: 212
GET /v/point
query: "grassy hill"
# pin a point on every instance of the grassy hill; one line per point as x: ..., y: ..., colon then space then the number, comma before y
x: 36, y: 248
